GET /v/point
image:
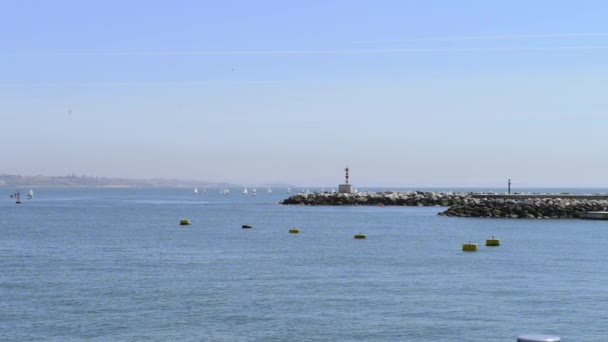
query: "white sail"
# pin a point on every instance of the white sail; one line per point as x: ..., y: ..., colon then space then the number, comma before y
x: 30, y: 194
x: 245, y: 191
x: 254, y: 192
x: 195, y: 190
x: 269, y: 191
x: 288, y: 190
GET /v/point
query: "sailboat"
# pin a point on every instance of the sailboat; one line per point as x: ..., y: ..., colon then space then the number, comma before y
x: 18, y: 195
x: 254, y: 192
x: 245, y: 191
x: 269, y: 191
x: 30, y: 194
x: 195, y: 190
x: 288, y: 190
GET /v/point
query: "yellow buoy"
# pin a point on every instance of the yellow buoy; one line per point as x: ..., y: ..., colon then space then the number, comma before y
x: 294, y: 231
x: 184, y: 222
x: 492, y: 242
x: 469, y: 247
x: 360, y: 236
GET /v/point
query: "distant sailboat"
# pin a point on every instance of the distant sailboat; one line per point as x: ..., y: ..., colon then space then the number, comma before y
x: 254, y: 192
x: 288, y: 190
x: 18, y: 195
x: 245, y: 191
x: 30, y: 194
x: 195, y: 190
x: 269, y: 191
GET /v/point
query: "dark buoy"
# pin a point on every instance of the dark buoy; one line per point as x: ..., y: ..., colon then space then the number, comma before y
x: 246, y: 226
x: 184, y: 222
x: 537, y: 338
x: 360, y: 236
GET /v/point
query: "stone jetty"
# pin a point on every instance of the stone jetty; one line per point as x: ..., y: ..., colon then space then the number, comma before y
x: 540, y: 206
x: 413, y: 198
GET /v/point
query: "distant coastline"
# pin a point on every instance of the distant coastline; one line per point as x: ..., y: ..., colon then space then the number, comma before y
x: 75, y: 181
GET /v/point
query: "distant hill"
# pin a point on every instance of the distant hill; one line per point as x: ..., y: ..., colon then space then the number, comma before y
x: 89, y: 181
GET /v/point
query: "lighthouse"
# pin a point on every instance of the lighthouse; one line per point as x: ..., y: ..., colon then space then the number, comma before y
x: 346, y: 188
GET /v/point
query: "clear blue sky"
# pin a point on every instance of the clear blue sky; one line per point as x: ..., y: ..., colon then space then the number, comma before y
x: 407, y: 93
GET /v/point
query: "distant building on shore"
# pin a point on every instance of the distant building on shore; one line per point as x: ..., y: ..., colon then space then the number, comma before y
x: 346, y: 188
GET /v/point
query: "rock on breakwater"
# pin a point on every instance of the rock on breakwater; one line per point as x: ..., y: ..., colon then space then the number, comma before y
x: 412, y: 198
x: 525, y: 207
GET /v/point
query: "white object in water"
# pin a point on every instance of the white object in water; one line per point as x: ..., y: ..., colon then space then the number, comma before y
x: 245, y: 191
x: 269, y: 191
x: 254, y: 192
x: 30, y: 194
x: 195, y: 190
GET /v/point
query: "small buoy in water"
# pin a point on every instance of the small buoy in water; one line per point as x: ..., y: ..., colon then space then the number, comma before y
x: 537, y: 338
x: 184, y: 222
x: 294, y: 231
x: 246, y: 226
x: 469, y: 247
x: 493, y: 242
x: 360, y: 236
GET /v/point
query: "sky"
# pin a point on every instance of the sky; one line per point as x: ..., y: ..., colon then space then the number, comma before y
x: 406, y: 93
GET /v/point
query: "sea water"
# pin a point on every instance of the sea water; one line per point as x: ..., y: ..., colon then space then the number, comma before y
x: 114, y: 264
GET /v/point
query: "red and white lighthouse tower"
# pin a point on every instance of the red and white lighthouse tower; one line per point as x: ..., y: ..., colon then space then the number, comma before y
x: 346, y: 188
x: 346, y: 170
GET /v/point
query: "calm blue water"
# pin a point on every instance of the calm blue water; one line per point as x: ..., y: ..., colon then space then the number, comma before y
x: 113, y: 264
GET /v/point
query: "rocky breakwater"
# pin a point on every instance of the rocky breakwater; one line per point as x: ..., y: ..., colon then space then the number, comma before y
x: 413, y: 198
x: 544, y: 208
